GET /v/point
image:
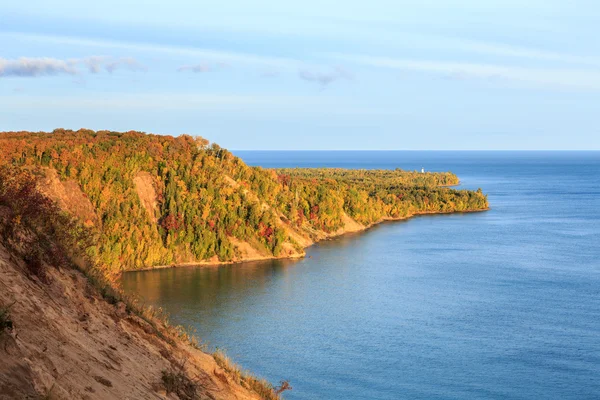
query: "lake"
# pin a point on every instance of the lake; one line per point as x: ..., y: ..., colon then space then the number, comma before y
x: 500, y: 304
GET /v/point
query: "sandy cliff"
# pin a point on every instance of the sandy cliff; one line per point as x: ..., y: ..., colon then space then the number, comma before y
x: 67, y: 342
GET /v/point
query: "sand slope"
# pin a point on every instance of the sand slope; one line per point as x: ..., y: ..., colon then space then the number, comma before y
x: 69, y: 343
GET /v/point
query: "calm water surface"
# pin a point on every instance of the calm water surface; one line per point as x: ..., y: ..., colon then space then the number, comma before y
x: 501, y: 304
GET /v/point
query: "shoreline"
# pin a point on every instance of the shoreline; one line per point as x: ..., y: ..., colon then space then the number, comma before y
x: 204, y: 264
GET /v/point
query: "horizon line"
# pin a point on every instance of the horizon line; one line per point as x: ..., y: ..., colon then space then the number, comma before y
x: 448, y: 150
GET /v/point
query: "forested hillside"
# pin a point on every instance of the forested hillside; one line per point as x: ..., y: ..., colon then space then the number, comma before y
x: 158, y: 200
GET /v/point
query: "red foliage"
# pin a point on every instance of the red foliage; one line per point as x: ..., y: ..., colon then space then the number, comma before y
x: 314, y: 210
x: 172, y: 222
x: 301, y: 217
x: 284, y: 179
x: 266, y: 232
x: 18, y: 191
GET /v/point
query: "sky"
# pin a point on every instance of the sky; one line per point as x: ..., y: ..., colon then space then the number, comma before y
x: 309, y: 75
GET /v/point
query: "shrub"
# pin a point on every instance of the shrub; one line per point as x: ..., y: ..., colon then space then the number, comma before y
x: 176, y: 381
x: 283, y: 386
x: 6, y: 323
x: 35, y: 265
x: 260, y: 386
x: 34, y: 227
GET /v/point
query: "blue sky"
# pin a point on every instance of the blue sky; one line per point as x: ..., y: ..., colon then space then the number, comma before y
x: 382, y: 74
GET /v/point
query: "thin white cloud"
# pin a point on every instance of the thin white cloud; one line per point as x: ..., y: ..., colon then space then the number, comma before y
x: 175, y: 101
x: 96, y: 64
x: 214, y: 56
x: 33, y: 67
x: 581, y: 78
x: 312, y: 18
x: 324, y: 78
x: 202, y: 67
x: 214, y: 59
x: 498, y: 49
x: 43, y: 66
x: 565, y: 78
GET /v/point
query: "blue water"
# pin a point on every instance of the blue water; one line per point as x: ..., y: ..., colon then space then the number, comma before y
x: 501, y: 304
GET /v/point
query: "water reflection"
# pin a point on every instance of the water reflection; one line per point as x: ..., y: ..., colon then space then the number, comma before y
x: 205, y: 293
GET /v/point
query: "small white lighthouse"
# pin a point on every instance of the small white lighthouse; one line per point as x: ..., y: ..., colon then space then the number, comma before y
x: 422, y: 170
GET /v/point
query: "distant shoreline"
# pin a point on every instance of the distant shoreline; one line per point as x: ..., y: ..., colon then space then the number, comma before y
x: 205, y: 264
